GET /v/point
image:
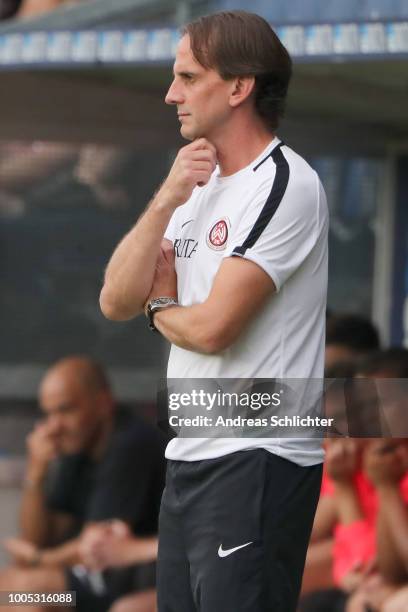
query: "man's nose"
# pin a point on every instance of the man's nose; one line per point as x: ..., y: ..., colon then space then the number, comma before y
x: 174, y: 95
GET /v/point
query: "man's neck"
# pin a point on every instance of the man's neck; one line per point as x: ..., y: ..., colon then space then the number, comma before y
x: 236, y: 149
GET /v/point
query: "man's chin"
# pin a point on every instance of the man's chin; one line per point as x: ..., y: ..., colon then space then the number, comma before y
x: 186, y: 134
x: 189, y: 133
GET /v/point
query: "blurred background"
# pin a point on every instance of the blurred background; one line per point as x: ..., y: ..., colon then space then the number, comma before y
x: 85, y: 140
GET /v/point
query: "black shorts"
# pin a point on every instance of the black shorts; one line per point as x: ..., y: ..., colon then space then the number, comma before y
x: 233, y: 533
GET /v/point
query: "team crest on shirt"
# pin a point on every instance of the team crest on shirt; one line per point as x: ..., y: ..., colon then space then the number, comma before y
x: 217, y: 235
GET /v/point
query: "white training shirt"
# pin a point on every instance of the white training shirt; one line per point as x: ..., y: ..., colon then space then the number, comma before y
x: 274, y: 213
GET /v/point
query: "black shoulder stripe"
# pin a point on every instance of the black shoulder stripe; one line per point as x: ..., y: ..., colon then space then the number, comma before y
x: 272, y: 203
x: 281, y: 144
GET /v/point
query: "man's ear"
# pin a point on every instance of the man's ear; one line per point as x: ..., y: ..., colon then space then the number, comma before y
x: 243, y: 88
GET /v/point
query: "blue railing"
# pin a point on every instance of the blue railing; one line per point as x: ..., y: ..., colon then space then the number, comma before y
x: 320, y: 41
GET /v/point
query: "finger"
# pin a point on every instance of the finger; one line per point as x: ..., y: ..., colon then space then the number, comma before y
x: 98, y: 558
x: 161, y: 258
x: 165, y: 243
x: 203, y: 143
x: 167, y: 247
x: 204, y: 155
x: 169, y: 256
x: 201, y: 178
x: 120, y: 528
x: 202, y: 166
x: 90, y: 562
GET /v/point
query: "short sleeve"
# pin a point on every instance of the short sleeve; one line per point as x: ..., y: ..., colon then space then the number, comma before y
x: 130, y: 481
x: 282, y: 225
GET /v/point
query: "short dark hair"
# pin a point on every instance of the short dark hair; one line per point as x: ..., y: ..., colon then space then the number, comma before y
x: 354, y: 331
x: 239, y: 44
x: 393, y: 361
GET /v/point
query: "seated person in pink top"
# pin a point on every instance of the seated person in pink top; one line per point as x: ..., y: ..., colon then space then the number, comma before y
x: 386, y: 590
x: 366, y: 486
x: 357, y: 504
x: 386, y: 465
x: 356, y: 496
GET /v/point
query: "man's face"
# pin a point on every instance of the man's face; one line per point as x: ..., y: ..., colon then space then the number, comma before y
x: 202, y: 96
x: 73, y: 413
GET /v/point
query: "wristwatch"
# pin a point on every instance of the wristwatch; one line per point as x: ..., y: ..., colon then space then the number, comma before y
x: 158, y: 304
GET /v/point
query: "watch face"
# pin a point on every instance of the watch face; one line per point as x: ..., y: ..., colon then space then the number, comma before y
x: 157, y: 304
x: 163, y: 301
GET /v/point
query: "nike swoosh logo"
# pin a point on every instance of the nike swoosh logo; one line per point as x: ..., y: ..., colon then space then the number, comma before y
x: 225, y: 553
x: 187, y: 222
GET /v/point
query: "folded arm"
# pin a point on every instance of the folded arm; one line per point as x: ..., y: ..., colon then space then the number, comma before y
x: 239, y: 292
x: 131, y: 269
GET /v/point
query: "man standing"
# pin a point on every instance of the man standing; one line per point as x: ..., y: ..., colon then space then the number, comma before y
x: 245, y: 219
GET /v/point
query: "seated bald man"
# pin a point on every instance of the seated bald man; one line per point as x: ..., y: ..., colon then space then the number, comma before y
x: 88, y: 462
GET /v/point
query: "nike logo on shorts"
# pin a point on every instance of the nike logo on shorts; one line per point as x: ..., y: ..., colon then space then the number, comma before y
x: 225, y: 553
